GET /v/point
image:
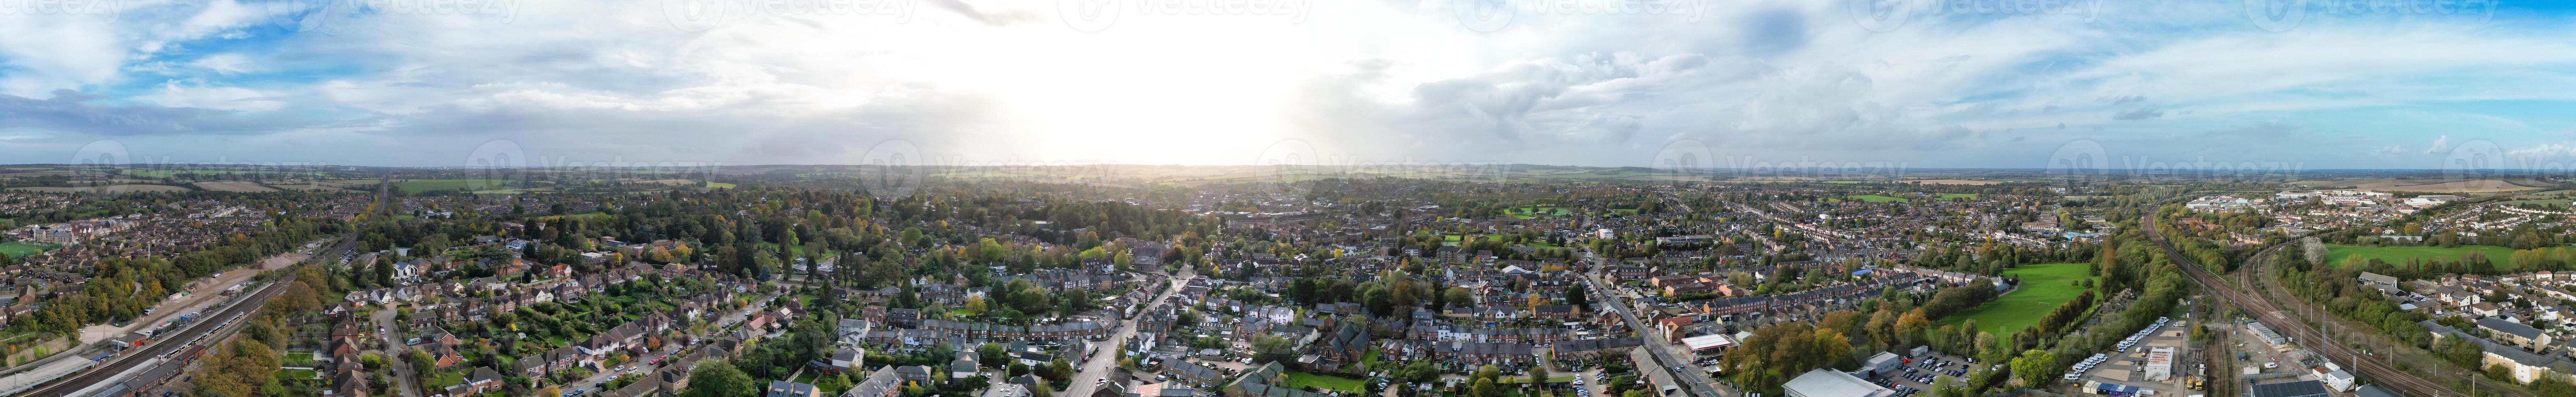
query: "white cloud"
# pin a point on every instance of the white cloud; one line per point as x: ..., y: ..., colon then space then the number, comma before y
x: 226, y: 63
x: 2545, y: 150
x: 1381, y: 81
x: 2439, y: 144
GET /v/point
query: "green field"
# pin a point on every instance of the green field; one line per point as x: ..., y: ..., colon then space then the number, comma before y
x: 2043, y: 288
x: 2338, y: 254
x: 21, y: 249
x: 1297, y: 380
x: 421, y: 185
x: 1875, y: 198
x: 1970, y: 196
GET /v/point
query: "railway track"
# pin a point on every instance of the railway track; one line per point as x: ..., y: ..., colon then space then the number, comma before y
x: 2253, y: 275
x: 2270, y: 314
x: 189, y: 336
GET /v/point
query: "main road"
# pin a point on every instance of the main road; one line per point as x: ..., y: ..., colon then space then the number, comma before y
x: 2264, y: 310
x: 1693, y: 379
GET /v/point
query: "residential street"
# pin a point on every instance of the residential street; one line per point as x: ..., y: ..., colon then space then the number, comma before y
x: 1102, y: 362
x: 393, y: 352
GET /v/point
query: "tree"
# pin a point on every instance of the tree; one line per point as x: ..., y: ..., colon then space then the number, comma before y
x: 718, y: 379
x: 2034, y: 367
x: 1576, y: 295
x: 1269, y: 348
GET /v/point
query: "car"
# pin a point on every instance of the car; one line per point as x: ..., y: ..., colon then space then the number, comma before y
x: 1578, y: 381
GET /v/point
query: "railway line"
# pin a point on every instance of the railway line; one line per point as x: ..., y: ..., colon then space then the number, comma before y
x: 191, y: 336
x: 2253, y: 274
x: 2265, y: 310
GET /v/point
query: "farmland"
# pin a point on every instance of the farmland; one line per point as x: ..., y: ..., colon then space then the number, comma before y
x: 1875, y: 198
x: 2043, y: 288
x: 105, y: 189
x: 418, y: 185
x: 234, y: 186
x: 2350, y: 255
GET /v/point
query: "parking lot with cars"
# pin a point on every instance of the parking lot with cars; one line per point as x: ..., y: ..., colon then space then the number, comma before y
x: 1917, y: 374
x: 2127, y: 363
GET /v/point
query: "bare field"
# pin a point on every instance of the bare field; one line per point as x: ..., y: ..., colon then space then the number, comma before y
x: 105, y: 189
x: 234, y: 186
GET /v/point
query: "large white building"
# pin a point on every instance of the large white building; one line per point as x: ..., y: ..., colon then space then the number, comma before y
x: 1830, y: 383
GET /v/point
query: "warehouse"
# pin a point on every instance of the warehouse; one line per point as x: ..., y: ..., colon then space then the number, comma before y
x: 1822, y: 382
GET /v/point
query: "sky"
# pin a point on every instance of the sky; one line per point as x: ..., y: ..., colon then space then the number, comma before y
x: 2280, y: 84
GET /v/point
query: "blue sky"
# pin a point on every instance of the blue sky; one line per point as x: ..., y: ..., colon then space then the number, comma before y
x: 2317, y: 85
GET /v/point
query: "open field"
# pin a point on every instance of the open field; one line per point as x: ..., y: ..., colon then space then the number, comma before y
x: 419, y: 185
x: 105, y: 189
x: 2421, y: 185
x: 1970, y: 196
x: 2344, y: 255
x: 1875, y: 198
x: 672, y: 182
x: 1949, y: 182
x: 2043, y: 288
x: 18, y: 249
x: 311, y: 187
x: 234, y: 186
x: 718, y: 185
x: 2561, y: 197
